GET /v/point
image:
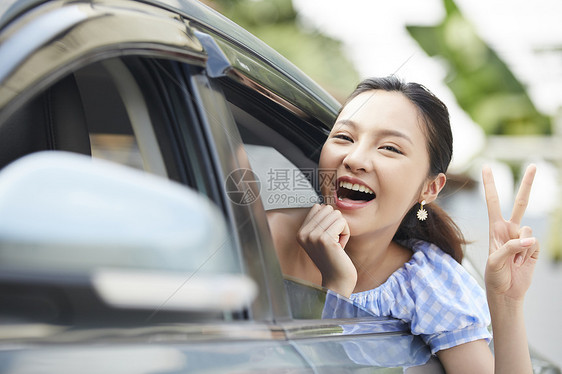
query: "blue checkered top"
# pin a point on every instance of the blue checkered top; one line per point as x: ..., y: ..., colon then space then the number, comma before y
x: 435, y: 295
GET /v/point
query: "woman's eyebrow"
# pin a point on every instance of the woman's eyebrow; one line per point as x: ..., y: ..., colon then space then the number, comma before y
x: 345, y: 122
x: 390, y: 132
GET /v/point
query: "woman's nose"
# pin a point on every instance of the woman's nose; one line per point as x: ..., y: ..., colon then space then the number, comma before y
x: 356, y: 159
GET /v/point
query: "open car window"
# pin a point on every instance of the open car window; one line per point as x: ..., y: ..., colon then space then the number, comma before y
x: 274, y: 140
x: 284, y: 185
x: 282, y: 148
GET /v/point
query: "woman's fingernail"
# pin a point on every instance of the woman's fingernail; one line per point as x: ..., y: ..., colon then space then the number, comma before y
x: 527, y: 242
x: 519, y: 260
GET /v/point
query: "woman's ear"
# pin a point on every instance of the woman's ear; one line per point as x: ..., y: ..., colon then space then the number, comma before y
x: 432, y: 188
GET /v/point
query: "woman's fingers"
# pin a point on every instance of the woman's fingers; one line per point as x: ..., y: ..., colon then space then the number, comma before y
x: 315, y: 218
x: 492, y: 199
x: 311, y: 213
x: 500, y: 229
x: 517, y: 247
x: 522, y: 198
x: 534, y: 249
x: 341, y: 227
x: 323, y: 235
x: 524, y: 233
x: 324, y: 223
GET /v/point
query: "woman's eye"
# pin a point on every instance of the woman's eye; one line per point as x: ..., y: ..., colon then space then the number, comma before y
x: 343, y: 137
x: 391, y: 149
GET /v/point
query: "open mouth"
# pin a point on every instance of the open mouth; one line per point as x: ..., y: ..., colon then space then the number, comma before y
x: 354, y: 191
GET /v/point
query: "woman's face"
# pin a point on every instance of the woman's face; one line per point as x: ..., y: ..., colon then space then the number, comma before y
x: 377, y: 156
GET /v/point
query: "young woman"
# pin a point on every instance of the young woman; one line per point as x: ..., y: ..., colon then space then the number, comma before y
x: 380, y: 240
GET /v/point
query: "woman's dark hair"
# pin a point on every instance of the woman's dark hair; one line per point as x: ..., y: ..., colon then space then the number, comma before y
x: 438, y: 228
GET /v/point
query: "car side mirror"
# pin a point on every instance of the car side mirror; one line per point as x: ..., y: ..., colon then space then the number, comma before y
x: 141, y: 240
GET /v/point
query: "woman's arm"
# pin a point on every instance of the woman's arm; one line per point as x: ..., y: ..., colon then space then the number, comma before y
x: 509, y: 270
x: 472, y: 357
x: 306, y: 245
x: 510, y: 339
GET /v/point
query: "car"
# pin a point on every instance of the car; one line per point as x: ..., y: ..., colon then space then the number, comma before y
x: 141, y: 143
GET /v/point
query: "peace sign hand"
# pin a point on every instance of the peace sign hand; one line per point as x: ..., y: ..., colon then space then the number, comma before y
x: 513, y: 249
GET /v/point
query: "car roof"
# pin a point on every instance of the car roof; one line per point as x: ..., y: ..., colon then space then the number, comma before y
x: 211, y: 19
x: 198, y: 13
x: 10, y: 9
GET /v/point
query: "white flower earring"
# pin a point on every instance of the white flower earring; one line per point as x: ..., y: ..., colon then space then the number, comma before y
x: 422, y: 213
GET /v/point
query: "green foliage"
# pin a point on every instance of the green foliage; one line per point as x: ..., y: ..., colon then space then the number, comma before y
x: 275, y: 22
x: 483, y: 85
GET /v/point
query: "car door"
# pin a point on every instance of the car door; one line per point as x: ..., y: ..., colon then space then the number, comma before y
x: 126, y: 82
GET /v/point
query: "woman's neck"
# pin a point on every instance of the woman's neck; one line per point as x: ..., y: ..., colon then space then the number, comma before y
x: 375, y: 258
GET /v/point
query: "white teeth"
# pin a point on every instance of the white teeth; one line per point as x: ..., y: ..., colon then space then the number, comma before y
x: 356, y: 187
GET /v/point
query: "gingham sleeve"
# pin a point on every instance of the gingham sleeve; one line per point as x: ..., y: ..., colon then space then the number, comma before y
x: 448, y: 307
x: 436, y: 296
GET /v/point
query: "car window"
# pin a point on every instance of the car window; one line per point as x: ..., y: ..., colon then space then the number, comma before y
x: 134, y: 111
x: 111, y: 110
x: 118, y: 123
x: 88, y: 112
x: 282, y: 148
x: 283, y: 151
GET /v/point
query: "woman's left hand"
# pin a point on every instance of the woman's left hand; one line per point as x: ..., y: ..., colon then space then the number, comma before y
x: 513, y: 249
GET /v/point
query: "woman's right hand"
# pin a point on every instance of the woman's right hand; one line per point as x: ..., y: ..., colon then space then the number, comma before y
x: 513, y: 250
x: 509, y: 270
x: 323, y: 235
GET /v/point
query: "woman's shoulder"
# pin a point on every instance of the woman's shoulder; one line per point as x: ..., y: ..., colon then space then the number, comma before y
x: 446, y: 298
x: 432, y: 268
x: 429, y: 270
x: 434, y: 274
x: 429, y: 256
x: 436, y: 295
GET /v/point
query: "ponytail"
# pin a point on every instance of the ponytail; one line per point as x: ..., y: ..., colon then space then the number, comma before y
x: 438, y: 229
